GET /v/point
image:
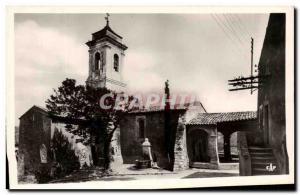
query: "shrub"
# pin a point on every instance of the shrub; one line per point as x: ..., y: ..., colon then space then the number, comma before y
x: 43, y: 173
x: 63, y: 155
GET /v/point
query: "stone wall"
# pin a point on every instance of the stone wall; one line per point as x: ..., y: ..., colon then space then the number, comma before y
x: 162, y: 146
x: 83, y: 152
x: 271, y: 95
x: 181, y: 159
x: 130, y: 142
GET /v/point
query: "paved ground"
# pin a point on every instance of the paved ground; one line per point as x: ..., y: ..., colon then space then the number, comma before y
x: 203, y: 174
x: 128, y: 172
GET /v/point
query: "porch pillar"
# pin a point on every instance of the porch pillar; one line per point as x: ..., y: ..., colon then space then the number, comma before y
x: 213, y: 148
x: 227, y: 152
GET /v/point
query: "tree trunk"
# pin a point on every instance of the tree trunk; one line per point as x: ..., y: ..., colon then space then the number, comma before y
x: 107, y: 153
x: 112, y: 149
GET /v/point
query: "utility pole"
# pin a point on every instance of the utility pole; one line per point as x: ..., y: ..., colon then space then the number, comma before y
x: 245, y: 83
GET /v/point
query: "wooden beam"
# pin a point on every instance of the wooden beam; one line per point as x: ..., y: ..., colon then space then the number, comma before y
x: 245, y: 88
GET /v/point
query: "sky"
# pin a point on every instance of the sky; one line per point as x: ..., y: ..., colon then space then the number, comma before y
x: 197, y: 53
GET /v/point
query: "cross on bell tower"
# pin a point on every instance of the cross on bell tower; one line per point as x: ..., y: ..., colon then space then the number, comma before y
x: 106, y: 56
x: 107, y: 19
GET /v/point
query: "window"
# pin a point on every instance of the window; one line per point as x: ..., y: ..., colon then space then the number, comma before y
x: 116, y: 63
x: 141, y: 124
x: 97, y: 61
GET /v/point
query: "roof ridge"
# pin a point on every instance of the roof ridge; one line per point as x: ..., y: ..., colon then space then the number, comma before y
x: 40, y: 107
x: 34, y: 107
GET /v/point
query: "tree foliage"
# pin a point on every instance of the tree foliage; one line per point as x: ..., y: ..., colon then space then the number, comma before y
x: 68, y: 100
x: 72, y: 101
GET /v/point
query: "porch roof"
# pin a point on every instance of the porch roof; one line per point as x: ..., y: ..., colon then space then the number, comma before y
x: 214, y: 118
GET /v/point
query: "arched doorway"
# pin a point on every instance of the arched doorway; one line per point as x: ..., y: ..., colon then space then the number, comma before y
x: 198, y: 146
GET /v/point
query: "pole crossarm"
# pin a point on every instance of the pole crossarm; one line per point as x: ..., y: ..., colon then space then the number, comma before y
x: 243, y: 83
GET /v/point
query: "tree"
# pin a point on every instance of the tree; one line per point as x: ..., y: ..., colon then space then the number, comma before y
x: 75, y: 102
x: 68, y: 100
x: 63, y: 154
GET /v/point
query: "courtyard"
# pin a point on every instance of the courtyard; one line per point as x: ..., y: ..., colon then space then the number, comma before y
x: 128, y: 172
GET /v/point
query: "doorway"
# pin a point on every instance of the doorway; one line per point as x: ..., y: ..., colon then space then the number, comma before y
x: 198, y: 146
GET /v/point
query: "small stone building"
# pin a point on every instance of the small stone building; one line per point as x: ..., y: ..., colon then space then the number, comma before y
x: 35, y: 133
x: 34, y: 140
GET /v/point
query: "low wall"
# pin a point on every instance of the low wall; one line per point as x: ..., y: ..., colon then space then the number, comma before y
x: 244, y: 156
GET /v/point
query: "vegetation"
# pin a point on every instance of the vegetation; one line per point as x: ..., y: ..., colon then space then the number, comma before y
x: 65, y: 159
x: 73, y: 101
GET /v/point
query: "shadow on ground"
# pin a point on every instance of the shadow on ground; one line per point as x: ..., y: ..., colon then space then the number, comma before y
x: 210, y: 174
x: 117, y: 179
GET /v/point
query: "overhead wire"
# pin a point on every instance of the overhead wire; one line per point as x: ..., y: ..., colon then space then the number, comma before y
x: 227, y: 33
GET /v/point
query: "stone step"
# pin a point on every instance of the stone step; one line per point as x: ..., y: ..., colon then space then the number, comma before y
x: 228, y: 166
x: 262, y: 157
x: 262, y: 165
x: 203, y: 165
x: 261, y: 171
x: 267, y: 162
x: 259, y: 149
x: 262, y: 154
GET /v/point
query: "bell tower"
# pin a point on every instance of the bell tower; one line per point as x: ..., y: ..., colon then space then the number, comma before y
x: 106, y: 56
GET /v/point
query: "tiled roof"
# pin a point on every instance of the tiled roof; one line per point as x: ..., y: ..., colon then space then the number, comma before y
x: 42, y: 108
x: 175, y: 107
x: 154, y: 109
x: 214, y: 118
x: 102, y: 32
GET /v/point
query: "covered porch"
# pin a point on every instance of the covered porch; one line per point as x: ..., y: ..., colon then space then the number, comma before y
x: 212, y: 137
